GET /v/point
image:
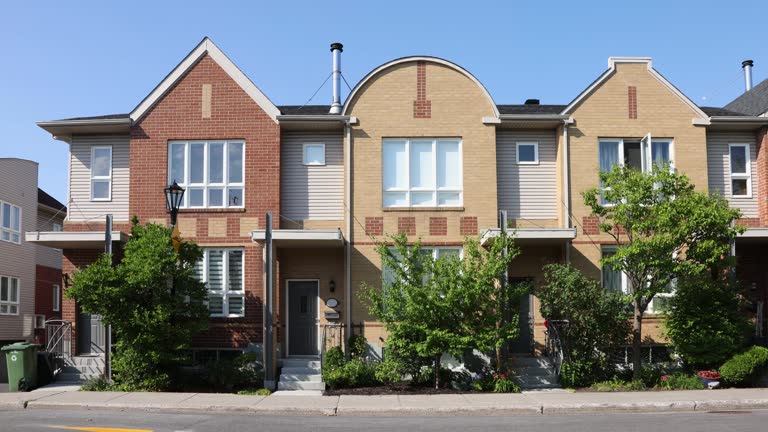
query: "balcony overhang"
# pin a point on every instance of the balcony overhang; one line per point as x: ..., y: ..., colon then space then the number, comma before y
x: 532, y: 236
x: 64, y: 129
x: 74, y: 239
x: 302, y: 238
x: 753, y: 235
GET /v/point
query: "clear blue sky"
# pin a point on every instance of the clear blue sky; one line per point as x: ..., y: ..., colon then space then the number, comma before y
x: 62, y: 59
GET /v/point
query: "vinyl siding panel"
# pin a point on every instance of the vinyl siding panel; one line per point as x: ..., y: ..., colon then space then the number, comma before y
x: 81, y: 208
x: 18, y: 186
x: 527, y: 191
x: 47, y: 256
x: 312, y: 192
x: 718, y: 168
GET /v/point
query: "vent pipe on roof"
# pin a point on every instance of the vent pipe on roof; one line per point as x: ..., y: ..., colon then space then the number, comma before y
x: 336, y: 49
x: 531, y: 101
x: 747, y: 65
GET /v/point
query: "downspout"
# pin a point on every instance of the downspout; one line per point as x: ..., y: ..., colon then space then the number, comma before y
x: 348, y: 230
x: 566, y: 188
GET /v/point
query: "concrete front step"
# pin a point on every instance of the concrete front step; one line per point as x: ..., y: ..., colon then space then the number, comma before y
x: 533, y: 371
x: 300, y: 385
x: 83, y: 369
x: 72, y: 377
x: 95, y: 361
x: 299, y: 371
x: 301, y: 363
x: 301, y: 377
x: 527, y: 381
x: 530, y: 361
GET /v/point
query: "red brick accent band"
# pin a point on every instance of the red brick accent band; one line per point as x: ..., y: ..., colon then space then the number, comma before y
x: 762, y: 175
x: 748, y: 222
x: 468, y: 225
x: 632, y: 96
x: 438, y: 226
x: 406, y: 225
x: 422, y: 108
x: 374, y: 226
x: 590, y: 225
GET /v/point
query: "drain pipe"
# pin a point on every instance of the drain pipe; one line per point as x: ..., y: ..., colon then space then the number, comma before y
x: 348, y: 243
x: 566, y: 187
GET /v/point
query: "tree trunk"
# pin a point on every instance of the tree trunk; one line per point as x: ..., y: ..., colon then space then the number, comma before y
x: 637, y: 327
x: 437, y: 370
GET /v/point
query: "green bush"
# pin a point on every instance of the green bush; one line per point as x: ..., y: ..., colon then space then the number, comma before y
x: 681, y: 382
x: 578, y: 373
x: 389, y: 372
x: 426, y: 377
x: 355, y: 373
x: 704, y: 322
x: 255, y: 392
x: 243, y: 372
x: 358, y: 346
x: 96, y: 384
x: 506, y: 385
x: 744, y: 369
x: 618, y: 385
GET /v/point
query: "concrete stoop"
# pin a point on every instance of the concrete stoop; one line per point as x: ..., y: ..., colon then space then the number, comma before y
x: 534, y: 373
x: 300, y: 374
x: 79, y: 369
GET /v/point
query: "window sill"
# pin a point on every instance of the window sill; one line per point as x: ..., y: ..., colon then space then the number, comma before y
x: 423, y: 209
x: 212, y: 210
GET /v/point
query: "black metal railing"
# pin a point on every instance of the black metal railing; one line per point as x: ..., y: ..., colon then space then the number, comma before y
x: 554, y: 349
x: 58, y: 334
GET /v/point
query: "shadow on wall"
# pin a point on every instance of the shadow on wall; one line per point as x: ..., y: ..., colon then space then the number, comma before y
x: 234, y: 332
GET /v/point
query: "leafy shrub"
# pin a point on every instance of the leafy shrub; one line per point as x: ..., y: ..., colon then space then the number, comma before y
x: 681, y: 382
x: 355, y: 373
x: 96, y: 384
x: 255, y: 392
x: 744, y: 369
x: 461, y: 380
x: 358, y: 346
x: 426, y: 377
x: 505, y: 384
x: 618, y: 385
x: 578, y: 373
x: 483, y: 383
x: 250, y: 370
x: 389, y: 372
x: 704, y: 323
x: 243, y: 372
x: 334, y: 359
x: 597, y: 321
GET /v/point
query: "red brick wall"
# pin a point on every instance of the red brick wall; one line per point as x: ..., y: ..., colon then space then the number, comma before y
x: 632, y: 101
x: 438, y: 226
x: 45, y: 278
x: 406, y: 225
x: 468, y: 225
x: 72, y: 260
x: 374, y: 226
x: 590, y: 225
x: 422, y: 108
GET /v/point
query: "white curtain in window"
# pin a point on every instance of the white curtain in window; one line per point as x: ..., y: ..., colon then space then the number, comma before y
x: 609, y: 155
x: 660, y: 152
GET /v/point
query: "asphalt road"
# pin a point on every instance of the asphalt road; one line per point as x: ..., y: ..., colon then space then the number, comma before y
x: 124, y: 421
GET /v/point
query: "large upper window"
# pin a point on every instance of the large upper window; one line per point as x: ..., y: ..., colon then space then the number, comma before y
x: 422, y: 172
x: 10, y: 223
x: 741, y: 174
x: 212, y: 172
x: 642, y: 155
x: 222, y: 271
x: 436, y: 253
x: 618, y: 282
x: 9, y: 295
x: 101, y: 173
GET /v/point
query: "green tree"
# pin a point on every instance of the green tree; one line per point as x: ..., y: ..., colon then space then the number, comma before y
x: 597, y: 320
x: 704, y: 321
x: 152, y: 300
x: 446, y: 305
x: 663, y: 229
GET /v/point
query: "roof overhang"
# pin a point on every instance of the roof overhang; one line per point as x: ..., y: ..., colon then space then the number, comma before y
x: 532, y: 236
x: 314, y: 122
x: 527, y: 121
x: 303, y: 238
x: 64, y: 129
x: 736, y: 123
x: 73, y: 239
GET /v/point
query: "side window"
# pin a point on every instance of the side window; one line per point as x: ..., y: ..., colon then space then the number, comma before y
x: 314, y: 154
x: 101, y: 173
x: 56, y: 298
x: 10, y: 223
x: 739, y: 167
x: 528, y: 153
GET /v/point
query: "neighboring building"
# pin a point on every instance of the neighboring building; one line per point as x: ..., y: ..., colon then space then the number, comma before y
x: 419, y: 147
x: 48, y: 280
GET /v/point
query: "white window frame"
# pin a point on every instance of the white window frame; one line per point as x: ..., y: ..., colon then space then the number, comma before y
x: 7, y: 303
x: 433, y: 249
x: 56, y: 298
x: 624, y: 278
x: 11, y: 232
x: 408, y: 190
x: 304, y: 148
x: 740, y: 176
x: 226, y: 185
x: 535, y: 145
x: 646, y: 149
x: 95, y: 178
x: 57, y: 227
x: 225, y: 292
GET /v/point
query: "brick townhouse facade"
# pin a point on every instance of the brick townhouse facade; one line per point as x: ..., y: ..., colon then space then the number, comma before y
x: 419, y: 147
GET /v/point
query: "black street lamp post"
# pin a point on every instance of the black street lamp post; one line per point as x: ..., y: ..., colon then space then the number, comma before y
x: 174, y: 194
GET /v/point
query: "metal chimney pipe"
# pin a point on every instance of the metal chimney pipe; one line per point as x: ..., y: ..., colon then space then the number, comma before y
x: 336, y: 50
x: 747, y: 65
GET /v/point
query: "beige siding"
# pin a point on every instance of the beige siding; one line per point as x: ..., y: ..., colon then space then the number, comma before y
x: 81, y: 208
x: 718, y: 168
x: 312, y: 192
x: 527, y: 191
x: 47, y: 256
x: 18, y: 186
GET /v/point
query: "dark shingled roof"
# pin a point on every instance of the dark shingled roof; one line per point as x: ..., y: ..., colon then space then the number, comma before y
x: 100, y: 117
x: 304, y: 110
x: 715, y: 111
x: 530, y: 109
x: 753, y: 102
x: 47, y: 200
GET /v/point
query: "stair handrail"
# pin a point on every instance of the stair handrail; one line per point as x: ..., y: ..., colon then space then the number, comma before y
x: 324, y: 340
x: 59, y: 338
x: 554, y: 344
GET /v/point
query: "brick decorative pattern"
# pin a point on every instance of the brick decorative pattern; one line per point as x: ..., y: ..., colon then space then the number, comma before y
x: 406, y: 225
x: 468, y: 225
x: 632, y: 99
x: 590, y: 225
x: 438, y: 226
x: 422, y: 108
x: 762, y: 175
x: 374, y: 226
x: 748, y: 222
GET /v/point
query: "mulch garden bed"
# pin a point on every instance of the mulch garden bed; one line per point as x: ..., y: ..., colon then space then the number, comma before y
x: 393, y: 390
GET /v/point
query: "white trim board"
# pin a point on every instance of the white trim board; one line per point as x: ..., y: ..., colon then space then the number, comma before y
x: 206, y: 46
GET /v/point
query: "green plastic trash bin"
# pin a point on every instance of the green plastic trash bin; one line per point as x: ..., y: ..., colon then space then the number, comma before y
x: 21, y: 358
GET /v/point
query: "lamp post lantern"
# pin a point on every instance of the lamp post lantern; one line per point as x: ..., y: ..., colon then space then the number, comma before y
x: 174, y: 194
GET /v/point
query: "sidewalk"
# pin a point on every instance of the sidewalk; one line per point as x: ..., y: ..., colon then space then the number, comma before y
x: 534, y: 403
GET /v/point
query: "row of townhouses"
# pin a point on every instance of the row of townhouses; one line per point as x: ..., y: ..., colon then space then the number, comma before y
x: 418, y: 147
x: 30, y: 274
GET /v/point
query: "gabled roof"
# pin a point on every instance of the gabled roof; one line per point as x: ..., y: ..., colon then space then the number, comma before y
x: 721, y: 112
x: 49, y: 201
x: 206, y: 46
x: 754, y: 102
x: 530, y: 109
x: 612, y: 62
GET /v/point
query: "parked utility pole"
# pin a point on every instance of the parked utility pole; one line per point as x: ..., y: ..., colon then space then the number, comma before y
x: 269, y: 372
x: 108, y: 336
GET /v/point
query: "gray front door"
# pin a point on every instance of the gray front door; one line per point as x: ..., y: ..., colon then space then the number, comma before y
x: 302, y: 318
x: 90, y: 334
x: 524, y: 344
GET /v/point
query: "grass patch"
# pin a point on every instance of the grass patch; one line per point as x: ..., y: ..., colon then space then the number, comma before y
x: 255, y: 392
